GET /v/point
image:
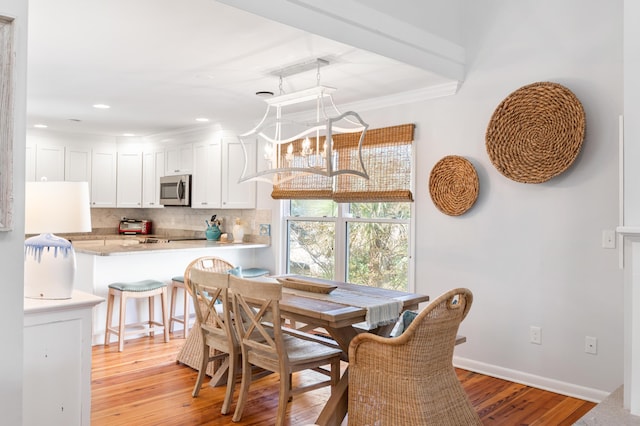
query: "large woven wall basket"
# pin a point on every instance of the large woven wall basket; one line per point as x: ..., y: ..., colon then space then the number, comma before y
x: 536, y: 132
x: 453, y: 185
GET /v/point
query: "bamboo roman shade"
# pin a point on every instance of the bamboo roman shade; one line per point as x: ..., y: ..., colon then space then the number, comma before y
x: 387, y: 157
x: 303, y: 186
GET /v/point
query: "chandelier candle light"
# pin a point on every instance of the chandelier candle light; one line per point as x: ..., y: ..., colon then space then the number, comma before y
x: 49, y: 260
x: 293, y: 146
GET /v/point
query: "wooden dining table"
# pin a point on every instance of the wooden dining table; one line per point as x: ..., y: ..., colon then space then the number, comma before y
x: 342, y: 320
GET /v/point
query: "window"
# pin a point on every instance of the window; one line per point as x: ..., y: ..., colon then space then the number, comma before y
x: 352, y: 229
x: 363, y: 243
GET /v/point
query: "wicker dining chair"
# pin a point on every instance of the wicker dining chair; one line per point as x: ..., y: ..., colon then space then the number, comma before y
x: 265, y: 345
x: 410, y: 379
x: 207, y: 280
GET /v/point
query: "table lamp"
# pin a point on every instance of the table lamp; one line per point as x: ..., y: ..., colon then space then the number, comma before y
x: 49, y: 260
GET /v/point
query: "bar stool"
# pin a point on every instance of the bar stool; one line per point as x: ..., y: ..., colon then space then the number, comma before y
x: 136, y: 290
x: 177, y: 283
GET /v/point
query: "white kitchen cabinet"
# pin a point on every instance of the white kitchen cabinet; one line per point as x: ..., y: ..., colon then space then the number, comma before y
x: 57, y: 360
x: 129, y: 180
x: 30, y: 163
x: 77, y: 163
x: 217, y: 168
x: 206, y: 188
x: 153, y: 164
x: 58, y: 163
x: 237, y: 195
x: 179, y: 159
x: 49, y: 162
x: 103, y: 176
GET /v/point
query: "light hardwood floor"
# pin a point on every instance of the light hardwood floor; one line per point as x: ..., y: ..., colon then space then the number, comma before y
x: 145, y: 386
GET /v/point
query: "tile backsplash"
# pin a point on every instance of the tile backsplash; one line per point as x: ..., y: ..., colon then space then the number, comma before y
x: 184, y: 221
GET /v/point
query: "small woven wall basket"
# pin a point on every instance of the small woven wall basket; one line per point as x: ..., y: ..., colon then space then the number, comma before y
x: 453, y: 185
x: 536, y: 132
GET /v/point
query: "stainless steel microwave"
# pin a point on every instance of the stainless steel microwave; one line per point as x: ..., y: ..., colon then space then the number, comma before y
x: 175, y: 190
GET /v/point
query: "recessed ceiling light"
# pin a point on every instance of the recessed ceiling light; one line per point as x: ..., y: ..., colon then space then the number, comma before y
x: 128, y: 134
x: 264, y: 94
x: 40, y: 126
x: 75, y: 120
x: 101, y: 106
x: 202, y: 120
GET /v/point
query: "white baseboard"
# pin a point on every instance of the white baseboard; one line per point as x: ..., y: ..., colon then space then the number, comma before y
x: 545, y: 383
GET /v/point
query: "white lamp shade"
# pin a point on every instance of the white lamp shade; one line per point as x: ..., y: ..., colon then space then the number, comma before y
x: 57, y: 207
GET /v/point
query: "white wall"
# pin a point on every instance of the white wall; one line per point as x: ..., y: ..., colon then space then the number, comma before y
x: 631, y: 110
x: 531, y: 254
x: 12, y: 243
x: 536, y: 249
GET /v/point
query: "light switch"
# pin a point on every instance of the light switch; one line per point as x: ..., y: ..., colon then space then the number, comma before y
x: 609, y: 239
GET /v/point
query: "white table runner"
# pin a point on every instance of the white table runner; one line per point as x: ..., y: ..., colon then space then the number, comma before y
x: 380, y: 310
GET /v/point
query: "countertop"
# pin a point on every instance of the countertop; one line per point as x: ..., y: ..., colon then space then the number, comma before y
x: 79, y: 299
x: 133, y: 246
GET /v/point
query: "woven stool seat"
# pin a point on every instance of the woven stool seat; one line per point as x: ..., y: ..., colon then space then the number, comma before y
x: 144, y: 285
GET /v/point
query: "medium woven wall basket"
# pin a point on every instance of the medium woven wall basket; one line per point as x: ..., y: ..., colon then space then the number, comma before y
x: 536, y: 132
x: 453, y: 185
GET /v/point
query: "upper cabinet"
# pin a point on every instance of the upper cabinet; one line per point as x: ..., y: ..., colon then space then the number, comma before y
x: 128, y: 176
x: 103, y: 176
x: 129, y: 179
x: 77, y: 163
x: 58, y: 162
x: 206, y: 179
x: 153, y: 164
x: 49, y: 162
x: 237, y: 195
x: 217, y: 167
x: 179, y: 159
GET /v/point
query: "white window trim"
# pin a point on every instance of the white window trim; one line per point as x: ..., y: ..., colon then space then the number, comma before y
x: 341, y: 229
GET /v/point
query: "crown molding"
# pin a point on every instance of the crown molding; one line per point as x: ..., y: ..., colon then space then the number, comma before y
x: 412, y: 96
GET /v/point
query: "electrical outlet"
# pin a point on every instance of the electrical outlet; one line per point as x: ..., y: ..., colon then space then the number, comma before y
x: 265, y: 229
x: 590, y: 345
x: 535, y: 335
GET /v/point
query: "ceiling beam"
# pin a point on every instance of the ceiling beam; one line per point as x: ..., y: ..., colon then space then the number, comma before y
x: 358, y: 25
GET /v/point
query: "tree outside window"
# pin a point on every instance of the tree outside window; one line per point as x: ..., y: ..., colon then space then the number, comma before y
x: 363, y: 243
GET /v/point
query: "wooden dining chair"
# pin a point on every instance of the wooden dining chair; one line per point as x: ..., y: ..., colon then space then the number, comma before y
x: 207, y: 280
x: 410, y: 379
x: 265, y: 345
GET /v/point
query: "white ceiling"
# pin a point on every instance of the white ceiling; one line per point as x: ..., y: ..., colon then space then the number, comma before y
x: 160, y: 64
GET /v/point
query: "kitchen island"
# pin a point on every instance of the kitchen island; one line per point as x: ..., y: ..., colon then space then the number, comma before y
x: 99, y: 264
